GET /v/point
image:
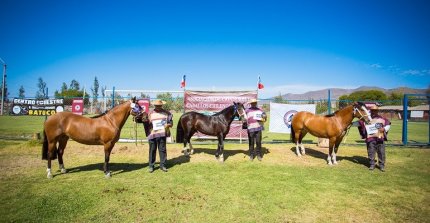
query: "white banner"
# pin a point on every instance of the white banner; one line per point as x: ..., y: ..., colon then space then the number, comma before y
x: 281, y: 114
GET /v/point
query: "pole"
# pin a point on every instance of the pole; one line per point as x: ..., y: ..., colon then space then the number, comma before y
x: 329, y: 103
x: 3, y: 86
x: 405, y: 120
x: 113, y: 97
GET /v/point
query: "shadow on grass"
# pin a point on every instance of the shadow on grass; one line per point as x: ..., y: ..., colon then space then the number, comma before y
x: 115, y: 168
x: 228, y: 152
x: 321, y: 155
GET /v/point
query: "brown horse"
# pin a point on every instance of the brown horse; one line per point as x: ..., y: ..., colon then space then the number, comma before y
x: 215, y: 125
x: 103, y: 130
x: 333, y: 127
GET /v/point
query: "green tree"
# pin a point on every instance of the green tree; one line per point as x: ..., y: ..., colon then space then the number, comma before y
x: 395, y: 98
x: 103, y: 92
x: 64, y: 87
x: 167, y: 97
x: 41, y: 93
x: 279, y: 99
x: 74, y: 85
x: 95, y: 90
x: 21, y: 93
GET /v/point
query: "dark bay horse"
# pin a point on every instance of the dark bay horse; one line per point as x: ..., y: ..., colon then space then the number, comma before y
x: 103, y: 130
x: 333, y: 127
x: 215, y: 125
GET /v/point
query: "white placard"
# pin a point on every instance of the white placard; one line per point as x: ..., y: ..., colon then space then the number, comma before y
x: 371, y: 129
x: 158, y: 124
x: 281, y: 115
x: 257, y: 115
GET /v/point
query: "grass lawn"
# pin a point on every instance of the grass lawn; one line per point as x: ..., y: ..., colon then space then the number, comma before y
x: 281, y: 188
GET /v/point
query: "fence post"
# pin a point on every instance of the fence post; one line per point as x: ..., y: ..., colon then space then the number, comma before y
x: 329, y: 103
x: 113, y: 96
x: 405, y: 120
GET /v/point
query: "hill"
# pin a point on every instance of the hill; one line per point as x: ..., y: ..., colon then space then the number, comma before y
x: 337, y: 92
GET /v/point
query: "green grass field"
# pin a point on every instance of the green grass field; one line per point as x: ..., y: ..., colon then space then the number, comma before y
x: 23, y: 127
x: 281, y: 188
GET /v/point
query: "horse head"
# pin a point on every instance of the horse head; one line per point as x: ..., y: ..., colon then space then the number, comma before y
x: 239, y: 111
x: 137, y: 111
x: 360, y: 111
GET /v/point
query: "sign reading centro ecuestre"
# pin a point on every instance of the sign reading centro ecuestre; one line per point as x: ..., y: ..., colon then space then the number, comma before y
x: 37, y: 107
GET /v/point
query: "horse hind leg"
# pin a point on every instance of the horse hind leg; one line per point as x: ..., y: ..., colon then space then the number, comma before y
x: 62, y: 145
x: 52, y: 151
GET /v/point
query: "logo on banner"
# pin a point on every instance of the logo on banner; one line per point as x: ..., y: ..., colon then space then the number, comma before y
x: 288, y: 117
x: 78, y: 106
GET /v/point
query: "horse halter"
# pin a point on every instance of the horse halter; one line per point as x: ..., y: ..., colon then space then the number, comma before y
x: 236, y: 110
x: 361, y: 115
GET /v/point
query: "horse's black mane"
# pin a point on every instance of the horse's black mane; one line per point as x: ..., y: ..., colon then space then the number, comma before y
x: 222, y: 111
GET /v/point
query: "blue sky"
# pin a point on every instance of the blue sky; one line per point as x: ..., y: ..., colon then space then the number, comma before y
x: 295, y: 46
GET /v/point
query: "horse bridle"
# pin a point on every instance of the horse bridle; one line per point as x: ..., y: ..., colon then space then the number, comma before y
x: 236, y: 110
x: 361, y: 115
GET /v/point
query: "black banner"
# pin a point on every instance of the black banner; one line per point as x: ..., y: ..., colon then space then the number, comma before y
x: 37, y: 107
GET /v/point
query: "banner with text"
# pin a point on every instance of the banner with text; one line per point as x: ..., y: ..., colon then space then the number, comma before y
x: 37, y: 107
x: 210, y: 102
x: 282, y: 114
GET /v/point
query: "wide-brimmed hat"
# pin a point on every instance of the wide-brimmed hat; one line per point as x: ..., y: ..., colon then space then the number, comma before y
x: 373, y: 107
x: 158, y: 102
x: 253, y: 100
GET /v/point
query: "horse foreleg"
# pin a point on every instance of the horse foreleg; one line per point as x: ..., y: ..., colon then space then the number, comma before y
x: 220, y: 150
x: 191, y: 148
x: 336, y: 147
x: 108, y: 149
x: 330, y: 151
x: 302, y: 149
x: 297, y: 149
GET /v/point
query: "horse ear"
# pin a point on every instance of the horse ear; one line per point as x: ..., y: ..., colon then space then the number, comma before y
x: 133, y: 99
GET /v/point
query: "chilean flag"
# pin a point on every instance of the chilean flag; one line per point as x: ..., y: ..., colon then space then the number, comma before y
x: 260, y: 85
x: 183, y: 82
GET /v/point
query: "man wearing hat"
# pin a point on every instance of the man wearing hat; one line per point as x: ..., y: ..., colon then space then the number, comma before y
x: 255, y: 125
x: 375, y: 133
x: 160, y: 121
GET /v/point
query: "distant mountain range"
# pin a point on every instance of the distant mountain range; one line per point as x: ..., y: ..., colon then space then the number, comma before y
x: 335, y: 93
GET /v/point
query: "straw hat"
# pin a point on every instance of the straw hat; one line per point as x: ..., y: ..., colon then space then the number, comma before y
x: 253, y: 100
x: 158, y: 102
x: 373, y: 107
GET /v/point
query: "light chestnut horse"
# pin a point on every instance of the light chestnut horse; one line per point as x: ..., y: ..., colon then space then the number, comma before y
x: 103, y: 130
x: 333, y: 127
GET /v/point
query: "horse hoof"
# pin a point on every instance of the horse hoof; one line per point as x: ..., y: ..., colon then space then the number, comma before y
x: 192, y: 151
x: 50, y: 176
x: 330, y: 164
x: 63, y: 170
x: 335, y: 163
x: 299, y: 155
x: 108, y: 175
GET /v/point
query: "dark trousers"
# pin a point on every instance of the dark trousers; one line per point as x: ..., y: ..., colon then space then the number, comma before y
x: 254, y: 138
x: 159, y: 143
x: 379, y: 148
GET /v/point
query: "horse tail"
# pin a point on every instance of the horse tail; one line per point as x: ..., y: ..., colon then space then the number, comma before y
x: 293, y: 134
x: 179, y: 132
x: 45, y: 148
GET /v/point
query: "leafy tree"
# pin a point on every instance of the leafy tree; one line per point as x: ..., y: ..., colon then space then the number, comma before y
x: 95, y: 90
x: 344, y: 101
x: 103, y: 91
x: 167, y: 97
x: 21, y: 92
x: 279, y: 99
x: 74, y: 85
x: 395, y: 98
x: 41, y: 93
x: 64, y: 87
x: 142, y: 95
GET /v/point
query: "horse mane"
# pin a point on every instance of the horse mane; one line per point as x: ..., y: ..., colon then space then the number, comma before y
x: 335, y: 113
x: 100, y: 115
x: 222, y: 111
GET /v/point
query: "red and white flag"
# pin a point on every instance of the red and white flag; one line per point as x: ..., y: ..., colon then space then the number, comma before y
x: 260, y: 85
x: 183, y: 82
